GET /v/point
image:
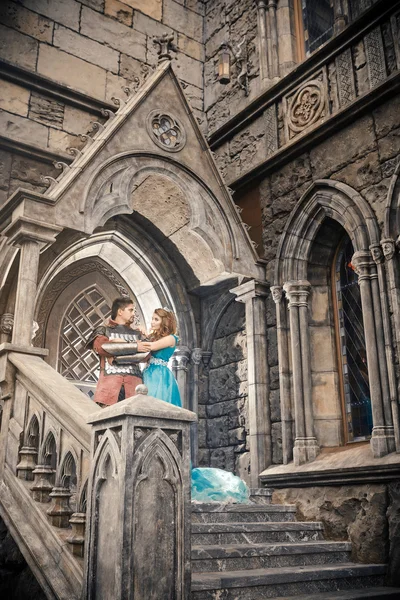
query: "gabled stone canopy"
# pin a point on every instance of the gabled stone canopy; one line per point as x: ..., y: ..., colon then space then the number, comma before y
x: 125, y: 163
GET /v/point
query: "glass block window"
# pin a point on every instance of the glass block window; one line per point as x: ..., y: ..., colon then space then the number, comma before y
x: 75, y: 362
x: 318, y: 18
x: 357, y: 398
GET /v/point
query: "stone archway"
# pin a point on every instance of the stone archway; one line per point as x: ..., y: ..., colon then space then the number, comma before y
x: 337, y: 201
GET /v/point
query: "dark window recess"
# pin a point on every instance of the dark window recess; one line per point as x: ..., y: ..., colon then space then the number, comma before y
x: 357, y: 398
x: 357, y: 7
x: 318, y: 20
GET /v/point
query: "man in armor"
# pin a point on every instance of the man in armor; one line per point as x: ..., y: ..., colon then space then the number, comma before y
x: 120, y: 349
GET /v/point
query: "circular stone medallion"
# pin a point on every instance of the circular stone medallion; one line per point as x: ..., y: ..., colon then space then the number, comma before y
x: 166, y: 131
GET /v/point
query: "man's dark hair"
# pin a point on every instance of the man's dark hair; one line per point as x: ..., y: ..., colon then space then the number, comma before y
x: 119, y: 303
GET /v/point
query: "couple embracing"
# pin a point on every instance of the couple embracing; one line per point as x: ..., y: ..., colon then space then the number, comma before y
x: 121, y: 347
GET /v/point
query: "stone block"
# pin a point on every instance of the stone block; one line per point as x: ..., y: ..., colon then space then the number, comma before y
x: 151, y: 8
x: 232, y: 348
x: 17, y: 17
x: 275, y: 405
x: 119, y: 11
x: 217, y: 433
x: 389, y: 167
x: 82, y: 47
x: 26, y: 173
x: 389, y: 146
x: 185, y: 21
x: 348, y: 144
x: 72, y: 71
x: 114, y: 34
x: 228, y: 382
x: 190, y: 47
x: 393, y: 516
x: 149, y: 26
x: 237, y: 436
x: 14, y: 98
x: 276, y: 440
x: 376, y: 196
x: 325, y: 395
x: 194, y: 95
x: 364, y: 171
x: 203, y: 457
x: 202, y: 433
x: 322, y: 349
x: 320, y: 305
x: 274, y: 378
x: 18, y: 48
x: 130, y: 68
x: 223, y: 458
x: 387, y: 117
x: 291, y: 176
x: 95, y: 4
x: 77, y: 121
x: 66, y: 13
x: 189, y: 70
x: 214, y: 42
x: 22, y: 129
x: 232, y: 320
x: 59, y: 141
x: 196, y: 5
x: 46, y: 111
x: 272, y: 346
x: 5, y: 168
x: 229, y: 408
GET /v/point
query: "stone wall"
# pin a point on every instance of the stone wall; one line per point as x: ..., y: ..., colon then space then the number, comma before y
x: 94, y: 47
x: 366, y: 515
x: 223, y: 426
x: 363, y: 155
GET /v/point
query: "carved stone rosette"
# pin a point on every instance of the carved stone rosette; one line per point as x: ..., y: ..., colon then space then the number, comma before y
x: 306, y: 105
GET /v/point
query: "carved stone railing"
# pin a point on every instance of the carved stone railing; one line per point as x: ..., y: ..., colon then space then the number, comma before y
x: 322, y: 93
x: 44, y: 467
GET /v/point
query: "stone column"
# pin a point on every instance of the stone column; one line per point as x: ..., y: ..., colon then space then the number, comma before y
x: 31, y: 237
x: 382, y: 440
x: 391, y: 289
x: 274, y: 39
x: 306, y: 447
x: 196, y: 357
x: 139, y: 513
x: 284, y: 374
x: 181, y: 361
x: 253, y: 294
x: 262, y: 39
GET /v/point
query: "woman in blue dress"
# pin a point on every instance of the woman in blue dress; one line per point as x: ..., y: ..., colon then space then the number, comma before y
x: 208, y: 485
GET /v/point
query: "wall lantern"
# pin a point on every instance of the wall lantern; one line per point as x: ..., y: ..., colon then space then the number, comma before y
x: 224, y: 63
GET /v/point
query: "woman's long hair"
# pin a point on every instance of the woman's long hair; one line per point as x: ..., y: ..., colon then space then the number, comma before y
x: 168, y: 324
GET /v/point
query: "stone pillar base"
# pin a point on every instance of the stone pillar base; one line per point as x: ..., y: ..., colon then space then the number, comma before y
x: 382, y: 441
x: 305, y: 450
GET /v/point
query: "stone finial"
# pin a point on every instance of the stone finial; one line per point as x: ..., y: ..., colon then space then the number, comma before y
x: 141, y: 389
x: 7, y: 323
x: 166, y: 44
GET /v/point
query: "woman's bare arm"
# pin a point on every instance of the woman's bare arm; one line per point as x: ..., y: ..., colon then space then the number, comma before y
x: 166, y: 342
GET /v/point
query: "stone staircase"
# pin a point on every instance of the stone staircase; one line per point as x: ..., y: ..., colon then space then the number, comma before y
x: 249, y: 552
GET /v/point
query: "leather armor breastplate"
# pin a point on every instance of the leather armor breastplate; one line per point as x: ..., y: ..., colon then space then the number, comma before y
x: 130, y: 335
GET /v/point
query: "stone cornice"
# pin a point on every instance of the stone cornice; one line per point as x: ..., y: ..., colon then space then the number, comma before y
x: 329, y: 51
x: 32, y: 151
x: 47, y: 86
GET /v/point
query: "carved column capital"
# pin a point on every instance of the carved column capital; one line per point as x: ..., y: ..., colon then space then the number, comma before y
x: 377, y: 254
x: 249, y: 290
x: 364, y: 265
x: 277, y: 291
x: 261, y: 4
x: 297, y: 292
x: 24, y: 230
x: 388, y: 247
x: 196, y: 356
x: 182, y: 357
x: 7, y: 323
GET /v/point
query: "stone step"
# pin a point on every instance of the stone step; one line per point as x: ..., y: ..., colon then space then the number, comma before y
x: 261, y: 495
x: 260, y: 556
x: 259, y: 584
x: 243, y: 513
x: 255, y: 533
x: 376, y: 593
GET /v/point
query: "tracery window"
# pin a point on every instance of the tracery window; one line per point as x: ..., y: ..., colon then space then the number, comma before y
x: 76, y: 362
x: 316, y: 18
x: 352, y: 350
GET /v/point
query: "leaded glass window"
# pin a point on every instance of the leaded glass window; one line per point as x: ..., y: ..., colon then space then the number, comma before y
x: 76, y: 362
x: 357, y: 398
x: 318, y: 18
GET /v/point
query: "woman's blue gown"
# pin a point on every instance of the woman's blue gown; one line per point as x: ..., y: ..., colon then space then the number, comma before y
x: 208, y: 485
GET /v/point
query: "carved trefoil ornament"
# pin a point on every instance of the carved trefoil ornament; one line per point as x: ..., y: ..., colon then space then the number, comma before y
x: 271, y: 130
x: 166, y: 131
x: 375, y: 57
x: 306, y: 105
x: 345, y: 78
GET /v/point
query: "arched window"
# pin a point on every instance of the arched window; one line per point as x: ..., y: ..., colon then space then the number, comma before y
x: 352, y: 356
x: 86, y: 312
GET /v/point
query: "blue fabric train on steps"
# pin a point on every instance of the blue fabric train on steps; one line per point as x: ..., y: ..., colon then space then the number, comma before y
x: 208, y: 485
